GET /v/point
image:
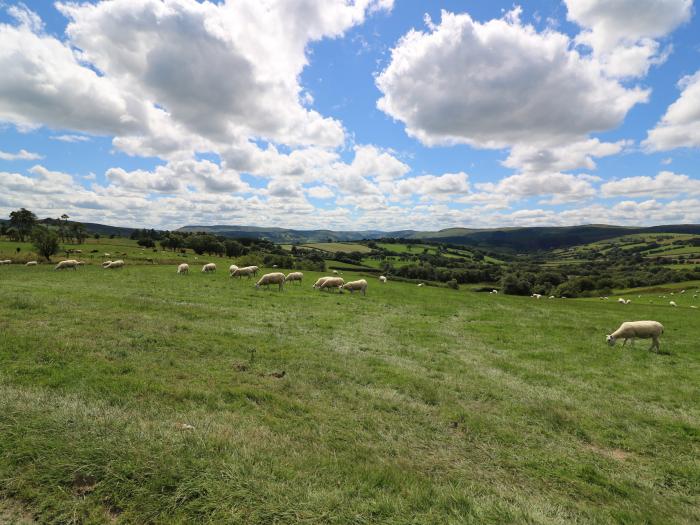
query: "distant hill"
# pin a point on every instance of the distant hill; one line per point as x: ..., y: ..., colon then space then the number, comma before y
x: 511, y: 239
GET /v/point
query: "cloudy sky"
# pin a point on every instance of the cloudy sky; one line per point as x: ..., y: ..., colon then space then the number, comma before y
x: 351, y: 114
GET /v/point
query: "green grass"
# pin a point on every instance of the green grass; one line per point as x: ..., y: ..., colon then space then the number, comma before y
x: 409, y: 405
x: 342, y: 247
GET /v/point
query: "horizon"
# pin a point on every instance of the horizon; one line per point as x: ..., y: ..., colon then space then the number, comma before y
x: 352, y: 116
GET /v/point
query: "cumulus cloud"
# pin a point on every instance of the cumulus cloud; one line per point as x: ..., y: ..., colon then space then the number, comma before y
x: 577, y: 155
x: 559, y: 187
x: 680, y: 125
x: 442, y: 187
x: 665, y: 184
x: 22, y: 154
x: 621, y: 33
x: 498, y: 84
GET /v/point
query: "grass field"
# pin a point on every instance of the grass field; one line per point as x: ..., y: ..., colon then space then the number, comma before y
x: 410, y: 405
x: 342, y: 247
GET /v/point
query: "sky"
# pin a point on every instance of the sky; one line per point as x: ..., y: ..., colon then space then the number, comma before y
x: 351, y: 114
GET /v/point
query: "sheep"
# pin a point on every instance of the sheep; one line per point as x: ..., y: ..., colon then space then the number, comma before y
x: 637, y: 329
x: 115, y: 264
x: 552, y: 297
x: 107, y: 255
x: 6, y: 261
x: 209, y: 268
x: 332, y: 282
x: 360, y: 285
x: 621, y: 300
x: 494, y: 291
x: 232, y: 269
x: 382, y: 279
x: 183, y: 269
x: 682, y: 291
x: 248, y: 270
x: 31, y: 263
x: 536, y: 296
x: 335, y: 272
x: 420, y: 284
x: 694, y: 307
x: 68, y: 263
x: 673, y: 303
x: 295, y: 276
x: 319, y: 282
x: 271, y: 278
x: 106, y: 263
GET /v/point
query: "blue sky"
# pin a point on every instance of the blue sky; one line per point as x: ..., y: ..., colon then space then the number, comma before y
x: 357, y: 114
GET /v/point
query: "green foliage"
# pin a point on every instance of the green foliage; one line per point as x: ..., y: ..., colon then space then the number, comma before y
x: 22, y: 221
x: 45, y: 242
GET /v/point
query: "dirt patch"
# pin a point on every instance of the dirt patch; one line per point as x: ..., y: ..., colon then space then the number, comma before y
x: 612, y: 453
x: 13, y: 513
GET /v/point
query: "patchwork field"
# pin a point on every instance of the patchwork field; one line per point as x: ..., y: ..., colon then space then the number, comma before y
x: 139, y: 396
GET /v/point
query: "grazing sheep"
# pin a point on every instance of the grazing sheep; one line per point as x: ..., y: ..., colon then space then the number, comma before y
x: 107, y: 255
x: 382, y: 279
x: 295, y: 276
x: 694, y: 307
x: 494, y: 291
x: 114, y: 265
x: 637, y: 329
x: 248, y: 271
x: 673, y: 303
x: 209, y: 268
x: 536, y: 296
x: 682, y: 291
x: 353, y: 286
x: 6, y: 261
x: 420, y: 284
x: 69, y: 263
x: 232, y: 269
x: 621, y: 300
x: 552, y: 297
x: 332, y: 282
x: 31, y: 263
x: 106, y: 263
x: 319, y: 282
x: 271, y: 278
x: 183, y: 269
x: 335, y: 272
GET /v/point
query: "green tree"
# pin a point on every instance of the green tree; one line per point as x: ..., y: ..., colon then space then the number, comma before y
x: 45, y: 241
x: 23, y: 221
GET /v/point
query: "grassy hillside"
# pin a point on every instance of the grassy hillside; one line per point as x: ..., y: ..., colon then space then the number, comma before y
x: 139, y: 396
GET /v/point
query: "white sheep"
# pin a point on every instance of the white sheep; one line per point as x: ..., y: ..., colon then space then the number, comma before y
x: 552, y: 297
x: 271, y: 278
x: 319, y: 282
x: 247, y: 270
x: 106, y: 263
x: 6, y: 261
x: 637, y: 330
x: 107, y: 255
x: 295, y: 276
x: 183, y: 269
x: 31, y: 263
x: 682, y: 291
x: 232, y: 269
x: 209, y: 268
x: 621, y: 301
x: 68, y: 263
x: 420, y: 284
x: 494, y: 291
x: 536, y: 296
x: 382, y: 279
x: 694, y: 307
x: 115, y: 264
x: 332, y: 282
x: 335, y: 272
x: 353, y: 286
x: 673, y: 303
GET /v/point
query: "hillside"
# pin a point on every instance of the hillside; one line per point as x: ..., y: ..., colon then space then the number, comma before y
x: 512, y: 239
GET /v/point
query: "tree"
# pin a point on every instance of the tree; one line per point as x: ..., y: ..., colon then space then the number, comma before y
x: 45, y: 241
x: 23, y: 221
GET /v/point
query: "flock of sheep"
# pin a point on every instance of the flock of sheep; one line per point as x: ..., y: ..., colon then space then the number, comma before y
x: 627, y: 331
x: 279, y: 279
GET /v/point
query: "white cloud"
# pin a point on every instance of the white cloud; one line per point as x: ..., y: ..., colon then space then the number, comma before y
x: 621, y: 33
x: 576, y: 155
x: 320, y: 192
x: 71, y: 138
x: 680, y: 125
x: 665, y: 184
x: 560, y: 187
x: 22, y: 154
x: 498, y: 84
x: 442, y: 187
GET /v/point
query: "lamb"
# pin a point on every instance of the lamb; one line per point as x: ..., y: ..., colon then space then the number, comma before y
x: 232, y: 269
x: 115, y: 264
x: 637, y: 329
x: 382, y: 279
x: 248, y: 270
x: 183, y: 269
x: 68, y: 263
x: 673, y: 303
x: 332, y: 282
x: 271, y: 278
x: 209, y: 268
x: 295, y: 276
x: 319, y: 282
x: 31, y: 263
x: 353, y: 286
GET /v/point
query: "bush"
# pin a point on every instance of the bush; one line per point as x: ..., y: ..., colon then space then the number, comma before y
x: 45, y: 241
x: 452, y: 283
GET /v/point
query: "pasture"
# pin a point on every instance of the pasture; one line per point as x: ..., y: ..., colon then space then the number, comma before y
x: 140, y: 396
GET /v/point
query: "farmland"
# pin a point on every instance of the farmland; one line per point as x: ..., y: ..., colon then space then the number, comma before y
x: 409, y: 405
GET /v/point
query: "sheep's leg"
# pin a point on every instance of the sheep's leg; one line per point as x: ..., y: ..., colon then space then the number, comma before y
x: 624, y: 342
x: 654, y: 345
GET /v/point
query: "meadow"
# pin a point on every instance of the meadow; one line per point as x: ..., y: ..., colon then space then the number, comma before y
x: 139, y: 396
